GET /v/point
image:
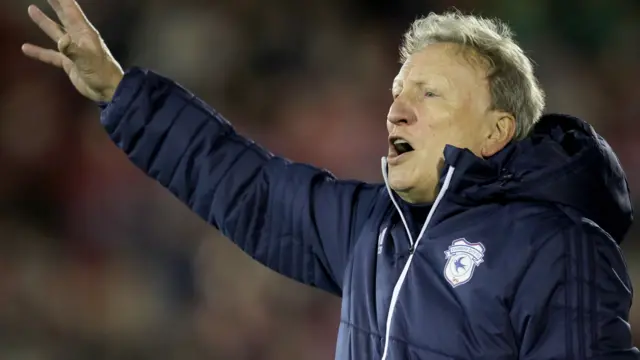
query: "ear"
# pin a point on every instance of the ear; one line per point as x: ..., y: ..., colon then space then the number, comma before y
x: 500, y: 134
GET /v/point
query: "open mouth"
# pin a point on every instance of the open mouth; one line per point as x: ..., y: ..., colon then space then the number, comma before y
x: 400, y: 145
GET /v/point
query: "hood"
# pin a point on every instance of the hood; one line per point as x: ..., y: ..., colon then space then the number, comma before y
x: 563, y: 161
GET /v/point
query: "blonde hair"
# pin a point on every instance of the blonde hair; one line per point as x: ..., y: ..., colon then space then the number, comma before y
x: 513, y: 85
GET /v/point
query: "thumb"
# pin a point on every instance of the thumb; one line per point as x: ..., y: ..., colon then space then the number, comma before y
x: 68, y: 48
x: 64, y: 45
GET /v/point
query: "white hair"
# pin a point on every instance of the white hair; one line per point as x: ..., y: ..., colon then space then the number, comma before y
x: 513, y: 86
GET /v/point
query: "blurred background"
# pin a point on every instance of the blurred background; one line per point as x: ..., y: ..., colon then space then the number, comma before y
x: 98, y: 262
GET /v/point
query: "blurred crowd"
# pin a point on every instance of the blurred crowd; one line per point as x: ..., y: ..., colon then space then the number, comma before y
x: 98, y: 262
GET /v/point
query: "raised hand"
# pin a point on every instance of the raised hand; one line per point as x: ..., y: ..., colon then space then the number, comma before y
x: 82, y: 53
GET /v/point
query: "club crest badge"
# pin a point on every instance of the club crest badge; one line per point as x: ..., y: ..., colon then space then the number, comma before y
x: 462, y: 259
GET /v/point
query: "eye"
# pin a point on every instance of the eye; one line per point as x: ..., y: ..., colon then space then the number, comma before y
x: 430, y: 94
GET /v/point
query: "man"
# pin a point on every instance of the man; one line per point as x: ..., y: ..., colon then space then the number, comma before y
x: 495, y: 235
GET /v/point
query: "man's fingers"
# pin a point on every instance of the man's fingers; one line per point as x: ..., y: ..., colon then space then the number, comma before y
x: 57, y: 8
x: 47, y: 56
x: 50, y: 27
x: 70, y: 15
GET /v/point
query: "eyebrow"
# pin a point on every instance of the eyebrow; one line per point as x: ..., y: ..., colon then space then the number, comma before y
x: 421, y: 84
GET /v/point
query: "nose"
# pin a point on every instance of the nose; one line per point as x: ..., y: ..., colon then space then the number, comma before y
x: 401, y: 113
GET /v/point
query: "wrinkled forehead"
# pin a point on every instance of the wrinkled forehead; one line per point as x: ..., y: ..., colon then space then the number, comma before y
x: 443, y: 64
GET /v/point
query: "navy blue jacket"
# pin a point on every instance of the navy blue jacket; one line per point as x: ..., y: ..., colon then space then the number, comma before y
x: 518, y: 257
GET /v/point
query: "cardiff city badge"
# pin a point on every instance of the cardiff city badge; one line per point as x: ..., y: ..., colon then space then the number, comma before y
x: 462, y: 259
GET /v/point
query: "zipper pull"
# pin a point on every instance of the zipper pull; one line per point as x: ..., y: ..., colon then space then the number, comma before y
x: 505, y: 177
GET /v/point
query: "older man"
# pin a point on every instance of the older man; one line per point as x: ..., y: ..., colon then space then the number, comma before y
x: 495, y: 235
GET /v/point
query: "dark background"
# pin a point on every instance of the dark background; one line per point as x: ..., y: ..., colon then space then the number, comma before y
x: 98, y: 262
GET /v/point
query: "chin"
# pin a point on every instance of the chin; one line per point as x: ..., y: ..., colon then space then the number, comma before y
x: 408, y: 187
x: 406, y: 193
x: 398, y: 181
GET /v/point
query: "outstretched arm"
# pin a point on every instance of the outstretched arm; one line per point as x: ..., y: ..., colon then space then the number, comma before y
x: 296, y: 219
